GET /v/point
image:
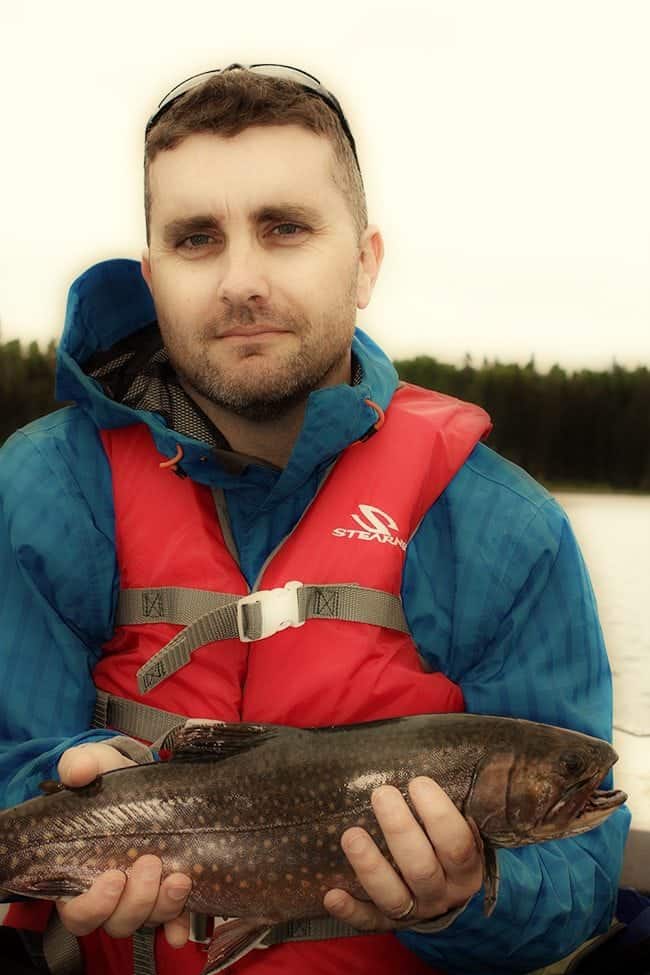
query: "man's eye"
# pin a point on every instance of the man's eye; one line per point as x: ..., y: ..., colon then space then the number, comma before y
x: 195, y: 241
x: 292, y: 226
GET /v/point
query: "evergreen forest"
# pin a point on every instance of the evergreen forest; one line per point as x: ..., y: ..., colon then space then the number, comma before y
x: 581, y: 429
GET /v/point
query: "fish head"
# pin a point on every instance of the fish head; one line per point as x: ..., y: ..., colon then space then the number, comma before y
x: 542, y: 785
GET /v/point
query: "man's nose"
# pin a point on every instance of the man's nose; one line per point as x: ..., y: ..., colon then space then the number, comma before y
x: 243, y: 273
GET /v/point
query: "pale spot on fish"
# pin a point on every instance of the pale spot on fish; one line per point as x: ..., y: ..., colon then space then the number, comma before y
x: 319, y: 843
x: 216, y: 888
x: 285, y: 839
x: 319, y: 876
x: 236, y: 820
x: 333, y: 847
x: 197, y: 869
x: 162, y: 845
x: 323, y: 888
x: 24, y: 839
x: 304, y: 838
x: 228, y: 878
x: 202, y: 820
x: 243, y: 884
x: 369, y: 780
x: 267, y: 844
x: 288, y: 876
x: 132, y: 853
x: 59, y: 860
x: 331, y: 829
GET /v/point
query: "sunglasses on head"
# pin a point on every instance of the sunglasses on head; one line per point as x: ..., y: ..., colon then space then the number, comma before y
x: 303, y: 78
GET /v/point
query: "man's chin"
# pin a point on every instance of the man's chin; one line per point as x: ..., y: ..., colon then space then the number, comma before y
x: 262, y: 409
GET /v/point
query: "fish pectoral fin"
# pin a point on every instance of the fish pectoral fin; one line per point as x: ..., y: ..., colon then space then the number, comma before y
x: 53, y: 887
x: 232, y: 940
x: 490, y: 868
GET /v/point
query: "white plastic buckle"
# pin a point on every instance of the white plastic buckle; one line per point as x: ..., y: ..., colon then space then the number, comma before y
x: 279, y: 610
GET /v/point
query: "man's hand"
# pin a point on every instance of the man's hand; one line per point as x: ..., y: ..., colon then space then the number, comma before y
x: 118, y: 904
x: 440, y: 866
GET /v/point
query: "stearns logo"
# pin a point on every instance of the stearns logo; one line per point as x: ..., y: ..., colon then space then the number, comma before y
x: 374, y: 526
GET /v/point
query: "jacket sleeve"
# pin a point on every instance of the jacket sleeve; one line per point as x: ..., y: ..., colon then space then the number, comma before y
x: 512, y: 618
x: 57, y: 567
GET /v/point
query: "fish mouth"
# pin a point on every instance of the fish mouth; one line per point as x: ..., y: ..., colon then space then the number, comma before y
x: 584, y: 806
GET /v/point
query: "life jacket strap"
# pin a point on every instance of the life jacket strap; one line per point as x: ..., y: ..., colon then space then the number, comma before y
x: 309, y: 929
x: 61, y: 949
x: 247, y: 618
x: 135, y: 719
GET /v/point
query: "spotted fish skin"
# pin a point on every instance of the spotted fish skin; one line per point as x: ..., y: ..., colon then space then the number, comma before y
x: 254, y: 813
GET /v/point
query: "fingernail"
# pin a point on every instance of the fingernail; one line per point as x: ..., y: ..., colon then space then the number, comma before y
x: 178, y: 893
x: 335, y: 903
x: 355, y: 843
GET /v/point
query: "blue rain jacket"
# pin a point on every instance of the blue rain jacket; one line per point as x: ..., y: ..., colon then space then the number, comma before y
x: 495, y: 592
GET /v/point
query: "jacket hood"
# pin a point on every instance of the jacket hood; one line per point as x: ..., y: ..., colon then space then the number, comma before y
x: 111, y: 301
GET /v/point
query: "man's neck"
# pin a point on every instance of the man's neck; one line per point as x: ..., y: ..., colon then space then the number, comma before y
x: 270, y: 440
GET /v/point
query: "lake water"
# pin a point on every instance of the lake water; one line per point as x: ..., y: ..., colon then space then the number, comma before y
x: 614, y: 534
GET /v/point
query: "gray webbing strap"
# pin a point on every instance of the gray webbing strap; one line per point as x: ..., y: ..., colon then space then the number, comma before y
x: 144, y: 960
x: 61, y: 949
x: 168, y: 605
x: 343, y: 601
x: 221, y: 624
x: 133, y: 718
x: 309, y: 929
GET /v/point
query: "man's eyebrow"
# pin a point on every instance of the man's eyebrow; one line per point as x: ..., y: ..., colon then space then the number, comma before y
x: 201, y: 222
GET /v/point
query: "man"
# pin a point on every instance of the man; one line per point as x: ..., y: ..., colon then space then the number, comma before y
x: 247, y: 437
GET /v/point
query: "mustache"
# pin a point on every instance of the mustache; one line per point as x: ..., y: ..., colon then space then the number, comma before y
x: 248, y: 318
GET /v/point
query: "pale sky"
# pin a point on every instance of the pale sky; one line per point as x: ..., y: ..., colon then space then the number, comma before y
x: 505, y: 148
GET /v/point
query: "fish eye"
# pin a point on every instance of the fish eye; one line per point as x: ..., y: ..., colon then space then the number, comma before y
x: 572, y: 763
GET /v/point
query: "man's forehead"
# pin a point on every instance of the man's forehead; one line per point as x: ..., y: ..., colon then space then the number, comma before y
x: 274, y: 167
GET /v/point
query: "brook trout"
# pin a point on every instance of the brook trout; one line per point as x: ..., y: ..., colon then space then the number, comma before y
x: 254, y: 813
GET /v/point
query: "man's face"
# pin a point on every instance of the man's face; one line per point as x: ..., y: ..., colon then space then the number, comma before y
x: 254, y: 267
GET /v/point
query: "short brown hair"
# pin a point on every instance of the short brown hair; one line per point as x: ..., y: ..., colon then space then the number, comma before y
x: 229, y: 102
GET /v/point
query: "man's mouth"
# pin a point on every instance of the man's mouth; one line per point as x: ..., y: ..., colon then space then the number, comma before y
x: 253, y: 332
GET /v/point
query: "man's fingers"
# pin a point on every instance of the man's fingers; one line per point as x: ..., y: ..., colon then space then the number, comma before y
x: 177, y: 930
x: 81, y: 764
x: 173, y: 893
x: 451, y: 836
x: 381, y: 882
x: 91, y: 909
x: 411, y: 850
x: 138, y: 898
x: 362, y: 916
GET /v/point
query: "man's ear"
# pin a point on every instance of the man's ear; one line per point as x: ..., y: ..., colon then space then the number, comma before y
x: 145, y: 267
x: 370, y: 258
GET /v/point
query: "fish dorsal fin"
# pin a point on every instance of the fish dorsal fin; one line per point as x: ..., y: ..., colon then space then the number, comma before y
x: 220, y: 739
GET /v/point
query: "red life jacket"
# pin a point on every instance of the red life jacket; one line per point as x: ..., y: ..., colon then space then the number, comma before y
x: 327, y: 671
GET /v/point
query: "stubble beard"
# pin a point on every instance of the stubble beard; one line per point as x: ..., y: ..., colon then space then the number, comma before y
x: 265, y: 392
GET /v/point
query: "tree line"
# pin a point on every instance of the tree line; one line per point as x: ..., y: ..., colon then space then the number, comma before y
x: 581, y: 428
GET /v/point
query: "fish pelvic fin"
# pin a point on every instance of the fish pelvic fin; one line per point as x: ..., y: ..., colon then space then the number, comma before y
x: 232, y: 940
x: 490, y: 868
